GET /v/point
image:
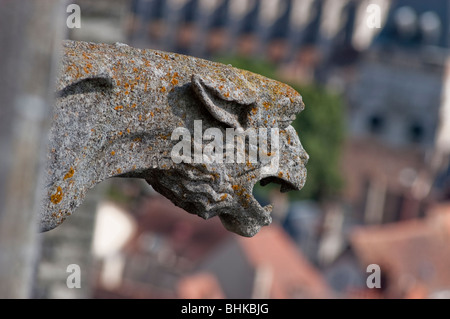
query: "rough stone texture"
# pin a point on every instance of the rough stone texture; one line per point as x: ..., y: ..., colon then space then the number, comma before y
x: 117, y: 108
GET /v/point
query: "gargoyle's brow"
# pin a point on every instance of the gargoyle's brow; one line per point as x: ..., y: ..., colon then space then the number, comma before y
x: 95, y: 84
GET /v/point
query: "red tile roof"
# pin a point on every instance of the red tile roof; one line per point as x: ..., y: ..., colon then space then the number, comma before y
x: 413, y: 254
x: 292, y: 274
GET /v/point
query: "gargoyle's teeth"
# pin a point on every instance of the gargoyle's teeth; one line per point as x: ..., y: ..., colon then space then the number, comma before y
x: 268, y: 208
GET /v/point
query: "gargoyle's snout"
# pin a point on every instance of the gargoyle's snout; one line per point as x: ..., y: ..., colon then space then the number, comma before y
x: 292, y: 163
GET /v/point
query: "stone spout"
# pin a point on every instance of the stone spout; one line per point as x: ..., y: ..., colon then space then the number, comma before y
x: 164, y: 117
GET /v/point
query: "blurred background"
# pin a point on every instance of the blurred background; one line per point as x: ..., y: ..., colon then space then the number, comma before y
x: 375, y: 78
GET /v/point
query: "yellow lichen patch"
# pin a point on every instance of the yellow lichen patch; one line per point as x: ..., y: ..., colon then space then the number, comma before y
x: 140, y: 117
x: 119, y: 171
x: 128, y: 130
x: 152, y: 114
x: 254, y: 110
x: 57, y: 197
x: 137, y: 139
x: 69, y: 174
x: 266, y: 105
x: 165, y: 137
x: 226, y: 94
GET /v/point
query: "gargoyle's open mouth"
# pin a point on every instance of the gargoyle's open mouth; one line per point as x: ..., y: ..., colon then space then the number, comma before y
x: 285, y: 186
x: 249, y: 220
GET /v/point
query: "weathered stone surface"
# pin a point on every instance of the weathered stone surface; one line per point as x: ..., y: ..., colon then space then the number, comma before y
x: 117, y: 108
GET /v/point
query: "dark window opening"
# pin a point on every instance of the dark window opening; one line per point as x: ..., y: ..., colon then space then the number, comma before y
x: 416, y: 132
x: 376, y: 123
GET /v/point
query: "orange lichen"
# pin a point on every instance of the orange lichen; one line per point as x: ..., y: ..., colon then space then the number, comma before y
x: 118, y: 107
x: 119, y: 171
x: 266, y: 105
x: 69, y: 173
x: 163, y: 89
x: 235, y: 187
x: 57, y: 197
x: 223, y: 197
x: 113, y: 153
x: 174, y: 81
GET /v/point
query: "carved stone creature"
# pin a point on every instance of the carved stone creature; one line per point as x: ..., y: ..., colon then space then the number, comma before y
x: 115, y: 113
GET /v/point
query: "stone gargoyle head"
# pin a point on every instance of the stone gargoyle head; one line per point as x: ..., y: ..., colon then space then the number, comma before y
x: 201, y: 133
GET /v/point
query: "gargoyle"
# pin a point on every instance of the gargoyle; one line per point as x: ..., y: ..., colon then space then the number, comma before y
x: 115, y: 115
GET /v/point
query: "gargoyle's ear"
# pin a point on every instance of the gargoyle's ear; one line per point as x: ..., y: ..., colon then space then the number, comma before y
x: 225, y: 101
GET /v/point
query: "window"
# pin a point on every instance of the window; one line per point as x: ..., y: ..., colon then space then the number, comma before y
x: 376, y: 123
x: 416, y: 132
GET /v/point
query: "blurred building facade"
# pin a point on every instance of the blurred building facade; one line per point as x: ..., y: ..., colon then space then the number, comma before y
x: 302, y: 31
x: 396, y: 112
